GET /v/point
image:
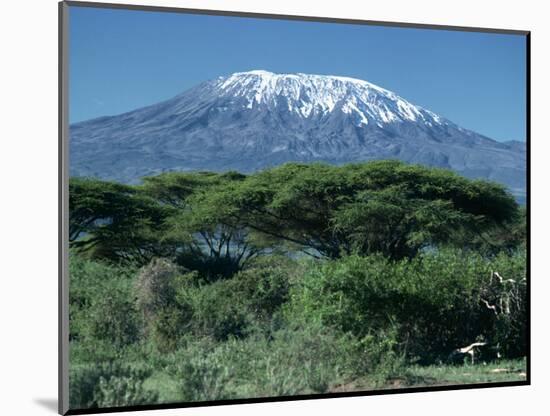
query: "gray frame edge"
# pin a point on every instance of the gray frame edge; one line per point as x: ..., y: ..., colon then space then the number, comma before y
x: 340, y: 20
x: 63, y: 206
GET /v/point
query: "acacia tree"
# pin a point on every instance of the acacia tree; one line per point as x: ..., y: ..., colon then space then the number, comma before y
x: 169, y: 215
x: 508, y: 238
x: 114, y: 221
x: 215, y: 223
x: 206, y: 237
x: 383, y: 207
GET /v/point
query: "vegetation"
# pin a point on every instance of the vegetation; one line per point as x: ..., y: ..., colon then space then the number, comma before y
x: 305, y: 278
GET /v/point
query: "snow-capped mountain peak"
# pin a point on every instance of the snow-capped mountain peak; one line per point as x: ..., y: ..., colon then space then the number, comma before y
x: 310, y: 95
x: 252, y: 120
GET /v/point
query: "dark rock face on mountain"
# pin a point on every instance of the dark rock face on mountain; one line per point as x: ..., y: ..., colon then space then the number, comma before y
x: 253, y: 120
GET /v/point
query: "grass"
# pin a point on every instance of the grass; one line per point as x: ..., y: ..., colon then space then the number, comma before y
x: 444, y: 375
x: 502, y: 371
x: 413, y: 376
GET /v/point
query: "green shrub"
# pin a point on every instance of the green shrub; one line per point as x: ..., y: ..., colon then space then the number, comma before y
x: 217, y: 312
x: 377, y: 356
x: 201, y: 373
x: 288, y: 362
x: 101, y: 304
x: 508, y: 298
x: 354, y: 294
x: 156, y: 290
x: 155, y: 287
x: 299, y: 361
x: 434, y: 300
x: 108, y: 385
x: 264, y: 286
x: 234, y: 307
x: 83, y: 382
x: 447, y: 304
x: 124, y: 388
x: 113, y: 318
x: 283, y: 326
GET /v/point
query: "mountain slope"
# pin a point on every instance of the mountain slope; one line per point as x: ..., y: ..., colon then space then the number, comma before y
x: 252, y: 120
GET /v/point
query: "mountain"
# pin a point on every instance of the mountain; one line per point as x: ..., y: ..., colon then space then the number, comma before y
x: 251, y: 120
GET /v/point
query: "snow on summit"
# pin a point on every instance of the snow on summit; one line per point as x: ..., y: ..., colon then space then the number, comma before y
x: 248, y: 121
x: 316, y: 95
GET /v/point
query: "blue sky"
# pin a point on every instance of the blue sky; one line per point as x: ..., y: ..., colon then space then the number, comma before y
x: 121, y: 60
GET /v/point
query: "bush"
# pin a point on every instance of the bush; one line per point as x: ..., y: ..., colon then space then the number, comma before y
x: 504, y: 293
x: 217, y: 311
x: 156, y: 288
x: 298, y: 361
x: 434, y: 300
x: 448, y: 298
x: 202, y: 373
x: 124, y: 388
x: 377, y: 355
x: 174, y: 304
x: 354, y: 294
x: 264, y: 286
x: 234, y: 307
x: 113, y: 318
x: 284, y: 327
x: 101, y: 305
x: 108, y: 385
x: 289, y: 362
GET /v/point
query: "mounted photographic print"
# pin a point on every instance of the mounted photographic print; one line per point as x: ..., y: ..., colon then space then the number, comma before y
x: 264, y: 208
